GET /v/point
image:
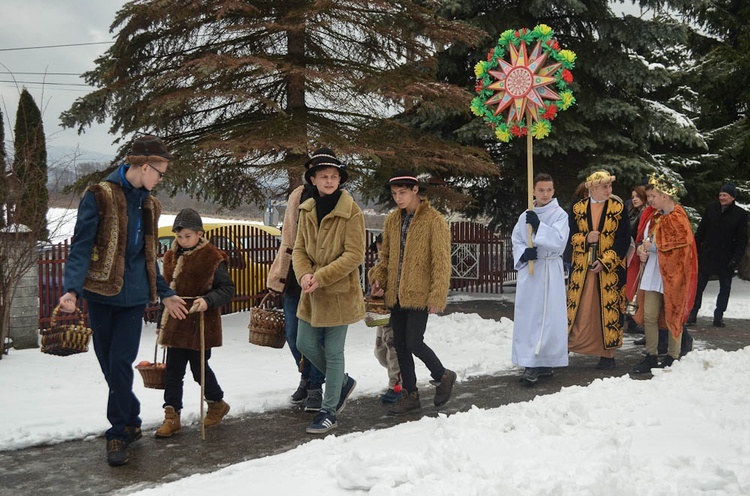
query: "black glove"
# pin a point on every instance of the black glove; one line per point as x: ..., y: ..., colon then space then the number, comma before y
x: 533, y: 219
x: 732, y: 267
x: 529, y: 254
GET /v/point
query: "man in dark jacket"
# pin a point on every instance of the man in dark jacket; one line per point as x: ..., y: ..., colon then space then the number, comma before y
x: 721, y: 239
x: 112, y: 265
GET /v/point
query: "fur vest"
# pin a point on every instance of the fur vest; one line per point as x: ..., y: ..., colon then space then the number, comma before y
x: 107, y: 266
x: 191, y: 275
x: 426, y: 267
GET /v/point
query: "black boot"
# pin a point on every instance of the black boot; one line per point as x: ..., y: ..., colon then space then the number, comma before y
x: 646, y: 365
x: 667, y: 361
x: 693, y: 317
x: 719, y: 319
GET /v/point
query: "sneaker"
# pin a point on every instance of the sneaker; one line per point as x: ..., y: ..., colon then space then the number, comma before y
x: 346, y: 391
x: 216, y: 411
x: 407, y: 403
x: 314, y: 400
x: 133, y: 434
x: 445, y: 388
x: 117, y: 453
x: 605, y: 363
x: 323, y: 423
x: 390, y: 396
x: 719, y: 322
x: 301, y: 393
x: 645, y: 366
x: 529, y: 377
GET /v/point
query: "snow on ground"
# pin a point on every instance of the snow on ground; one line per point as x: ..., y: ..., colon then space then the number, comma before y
x: 683, y: 432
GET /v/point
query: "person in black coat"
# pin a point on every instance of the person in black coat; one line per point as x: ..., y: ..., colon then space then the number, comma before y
x: 721, y: 239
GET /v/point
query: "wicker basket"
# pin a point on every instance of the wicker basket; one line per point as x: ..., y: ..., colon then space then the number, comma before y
x: 267, y: 325
x: 376, y: 313
x: 154, y: 374
x: 67, y: 339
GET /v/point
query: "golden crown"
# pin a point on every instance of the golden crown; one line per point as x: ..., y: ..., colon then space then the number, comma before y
x: 661, y: 183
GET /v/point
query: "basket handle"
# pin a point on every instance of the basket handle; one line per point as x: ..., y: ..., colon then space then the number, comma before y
x: 156, y: 350
x: 77, y: 312
x: 263, y: 301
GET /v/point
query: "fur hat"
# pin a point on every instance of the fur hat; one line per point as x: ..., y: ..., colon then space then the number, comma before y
x: 599, y: 177
x: 187, y: 219
x: 324, y: 157
x: 729, y: 189
x: 149, y: 146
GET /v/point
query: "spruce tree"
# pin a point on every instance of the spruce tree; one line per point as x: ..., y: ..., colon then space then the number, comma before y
x: 241, y: 91
x: 30, y: 166
x: 720, y: 83
x: 623, y: 121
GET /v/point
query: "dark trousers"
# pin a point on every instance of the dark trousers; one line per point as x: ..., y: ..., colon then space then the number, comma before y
x: 116, y: 338
x: 177, y: 360
x: 722, y: 300
x: 408, y: 337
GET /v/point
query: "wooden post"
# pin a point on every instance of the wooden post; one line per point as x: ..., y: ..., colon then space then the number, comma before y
x: 530, y: 180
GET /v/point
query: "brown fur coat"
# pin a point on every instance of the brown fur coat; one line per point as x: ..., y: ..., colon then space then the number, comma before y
x: 426, y: 268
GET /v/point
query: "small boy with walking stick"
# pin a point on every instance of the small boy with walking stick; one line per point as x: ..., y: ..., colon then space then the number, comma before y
x: 197, y: 271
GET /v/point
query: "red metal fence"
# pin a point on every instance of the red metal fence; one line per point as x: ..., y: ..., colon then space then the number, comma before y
x: 481, y: 260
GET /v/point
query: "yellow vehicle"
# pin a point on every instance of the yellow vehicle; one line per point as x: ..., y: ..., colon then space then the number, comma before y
x: 251, y: 249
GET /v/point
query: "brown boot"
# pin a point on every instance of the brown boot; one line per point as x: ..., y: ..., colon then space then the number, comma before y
x: 408, y: 402
x: 216, y: 412
x: 171, y: 423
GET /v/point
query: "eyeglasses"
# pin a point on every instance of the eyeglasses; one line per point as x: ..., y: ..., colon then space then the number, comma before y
x: 161, y: 174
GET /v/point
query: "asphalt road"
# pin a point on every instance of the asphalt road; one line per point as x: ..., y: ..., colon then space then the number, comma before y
x: 79, y: 467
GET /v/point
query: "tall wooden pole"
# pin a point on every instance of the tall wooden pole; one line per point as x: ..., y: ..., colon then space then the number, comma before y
x: 530, y: 180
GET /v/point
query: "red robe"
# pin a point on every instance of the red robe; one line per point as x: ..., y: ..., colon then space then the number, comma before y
x: 678, y: 266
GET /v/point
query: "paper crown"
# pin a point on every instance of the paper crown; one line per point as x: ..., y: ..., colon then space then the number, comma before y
x: 662, y: 184
x: 599, y: 177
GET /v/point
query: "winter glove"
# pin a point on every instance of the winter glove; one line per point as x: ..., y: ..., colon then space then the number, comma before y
x: 528, y: 254
x: 732, y: 267
x: 532, y: 219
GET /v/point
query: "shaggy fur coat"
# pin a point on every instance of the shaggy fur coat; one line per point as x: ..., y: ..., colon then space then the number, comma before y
x: 426, y: 267
x: 333, y: 252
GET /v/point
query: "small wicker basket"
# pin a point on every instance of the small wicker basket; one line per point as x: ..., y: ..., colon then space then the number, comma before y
x: 267, y: 325
x: 65, y: 339
x: 154, y: 374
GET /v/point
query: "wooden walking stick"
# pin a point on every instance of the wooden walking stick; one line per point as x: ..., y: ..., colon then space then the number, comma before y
x: 194, y: 309
x: 203, y: 378
x: 530, y: 185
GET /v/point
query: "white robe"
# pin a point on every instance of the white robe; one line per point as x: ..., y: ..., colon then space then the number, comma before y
x: 540, y: 329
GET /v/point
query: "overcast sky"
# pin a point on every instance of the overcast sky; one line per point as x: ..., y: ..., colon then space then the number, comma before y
x: 35, y: 23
